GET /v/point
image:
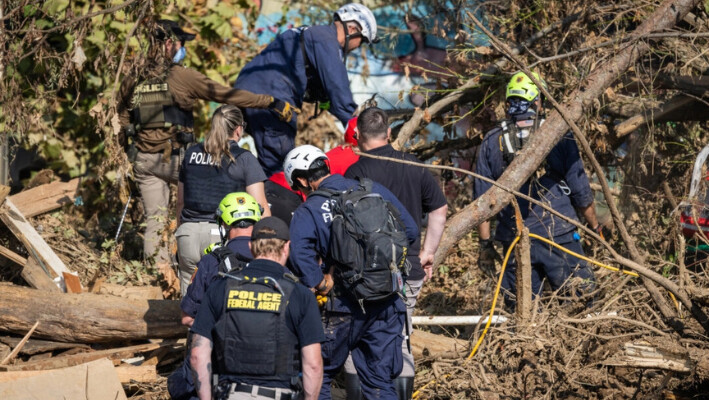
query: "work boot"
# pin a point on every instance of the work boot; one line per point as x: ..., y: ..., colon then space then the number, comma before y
x: 404, y: 387
x: 353, y: 387
x: 170, y: 283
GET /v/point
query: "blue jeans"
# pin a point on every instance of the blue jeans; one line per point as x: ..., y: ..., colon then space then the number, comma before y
x: 274, y: 138
x: 551, y: 264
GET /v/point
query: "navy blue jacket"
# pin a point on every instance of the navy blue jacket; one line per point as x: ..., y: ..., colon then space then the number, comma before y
x: 563, y: 164
x: 310, y: 233
x: 279, y: 70
x: 206, y: 273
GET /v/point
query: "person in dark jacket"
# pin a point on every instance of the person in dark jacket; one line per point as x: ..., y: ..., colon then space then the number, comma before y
x: 210, y: 170
x: 304, y: 64
x: 258, y: 330
x: 155, y: 109
x: 421, y: 194
x: 372, y: 332
x: 561, y: 183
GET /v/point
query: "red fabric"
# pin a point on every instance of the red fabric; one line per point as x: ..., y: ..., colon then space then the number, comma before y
x: 688, y: 226
x: 350, y: 132
x: 341, y: 157
x: 280, y: 178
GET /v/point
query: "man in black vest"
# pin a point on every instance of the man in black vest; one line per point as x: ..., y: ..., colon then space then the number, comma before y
x: 265, y: 328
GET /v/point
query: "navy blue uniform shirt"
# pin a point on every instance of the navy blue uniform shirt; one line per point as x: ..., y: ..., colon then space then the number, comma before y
x: 206, y: 273
x: 310, y: 233
x: 414, y: 186
x: 563, y: 164
x: 302, y: 313
x: 279, y: 70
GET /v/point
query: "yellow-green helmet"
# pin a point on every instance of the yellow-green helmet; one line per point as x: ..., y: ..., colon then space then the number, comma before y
x: 521, y: 86
x: 238, y: 206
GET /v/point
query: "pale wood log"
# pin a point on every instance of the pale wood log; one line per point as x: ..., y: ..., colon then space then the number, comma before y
x: 81, y: 358
x: 96, y: 380
x: 427, y: 344
x: 639, y: 355
x: 34, y: 243
x: 37, y: 277
x: 19, y: 345
x: 4, y: 191
x: 45, y: 198
x: 130, y: 292
x: 524, y: 277
x: 635, y: 122
x: 126, y: 374
x: 87, y: 317
x: 36, y: 346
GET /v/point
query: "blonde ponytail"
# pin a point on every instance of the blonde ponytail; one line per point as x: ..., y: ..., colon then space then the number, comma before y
x: 224, y: 121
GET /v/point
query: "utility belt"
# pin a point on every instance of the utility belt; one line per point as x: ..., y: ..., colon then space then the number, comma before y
x: 225, y: 389
x: 169, y: 146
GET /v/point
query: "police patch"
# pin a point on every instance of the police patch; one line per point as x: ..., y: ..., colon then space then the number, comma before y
x: 253, y: 301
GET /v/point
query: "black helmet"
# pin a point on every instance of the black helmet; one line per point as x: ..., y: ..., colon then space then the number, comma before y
x: 168, y: 29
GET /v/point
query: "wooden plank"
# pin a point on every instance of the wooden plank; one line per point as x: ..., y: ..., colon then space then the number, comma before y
x: 641, y: 355
x: 97, y: 380
x: 36, y: 246
x: 36, y: 346
x: 76, y: 359
x: 45, y: 198
x: 126, y: 374
x: 72, y: 283
x: 4, y: 191
x: 87, y: 317
x: 136, y: 373
x: 36, y: 277
x: 12, y: 256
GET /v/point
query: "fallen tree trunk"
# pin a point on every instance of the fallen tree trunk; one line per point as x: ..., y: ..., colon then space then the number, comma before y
x: 555, y: 127
x: 86, y: 317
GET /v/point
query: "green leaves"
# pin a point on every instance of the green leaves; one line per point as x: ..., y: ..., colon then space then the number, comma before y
x: 54, y: 7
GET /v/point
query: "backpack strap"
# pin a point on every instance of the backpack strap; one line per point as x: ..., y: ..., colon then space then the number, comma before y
x: 365, y: 184
x: 324, y: 193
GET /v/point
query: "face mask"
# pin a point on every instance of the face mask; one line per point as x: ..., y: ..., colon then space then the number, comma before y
x: 180, y: 55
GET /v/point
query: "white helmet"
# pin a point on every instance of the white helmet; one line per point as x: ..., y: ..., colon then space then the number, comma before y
x: 301, y: 159
x: 363, y: 16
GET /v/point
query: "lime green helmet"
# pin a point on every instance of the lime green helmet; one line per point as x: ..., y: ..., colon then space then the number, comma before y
x: 239, y: 206
x: 521, y: 86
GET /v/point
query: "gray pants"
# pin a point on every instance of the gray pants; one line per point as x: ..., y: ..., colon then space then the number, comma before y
x: 413, y: 288
x: 154, y: 177
x: 192, y: 239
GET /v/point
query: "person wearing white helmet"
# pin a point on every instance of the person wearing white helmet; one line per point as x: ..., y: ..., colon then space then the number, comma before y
x: 371, y: 331
x: 304, y: 64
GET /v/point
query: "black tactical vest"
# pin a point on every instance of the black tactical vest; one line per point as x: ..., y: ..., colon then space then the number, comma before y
x: 205, y: 182
x: 155, y: 108
x: 251, y: 337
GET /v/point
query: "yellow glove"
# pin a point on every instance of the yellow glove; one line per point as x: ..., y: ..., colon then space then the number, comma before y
x: 283, y: 109
x: 321, y: 300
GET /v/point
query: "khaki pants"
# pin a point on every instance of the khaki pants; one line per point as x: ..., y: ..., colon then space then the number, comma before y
x: 154, y: 177
x: 192, y: 239
x: 413, y: 288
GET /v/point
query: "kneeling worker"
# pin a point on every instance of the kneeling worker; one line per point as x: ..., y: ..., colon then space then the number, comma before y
x: 265, y: 328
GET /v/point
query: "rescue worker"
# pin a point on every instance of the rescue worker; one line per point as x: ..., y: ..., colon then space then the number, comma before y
x: 561, y: 183
x: 304, y: 64
x: 210, y: 170
x: 420, y: 193
x: 264, y: 326
x: 155, y: 107
x: 371, y: 332
x: 237, y: 213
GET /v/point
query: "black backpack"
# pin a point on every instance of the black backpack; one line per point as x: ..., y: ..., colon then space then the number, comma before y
x: 368, y: 243
x: 228, y: 260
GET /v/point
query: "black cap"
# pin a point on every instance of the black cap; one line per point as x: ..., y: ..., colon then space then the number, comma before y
x: 270, y: 228
x: 167, y: 29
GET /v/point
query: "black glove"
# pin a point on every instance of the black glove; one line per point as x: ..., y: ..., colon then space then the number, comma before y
x: 487, y: 257
x: 282, y: 108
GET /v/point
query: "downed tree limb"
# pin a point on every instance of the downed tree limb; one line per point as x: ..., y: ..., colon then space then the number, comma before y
x: 639, y: 355
x: 45, y: 198
x: 425, y: 114
x: 656, y: 114
x: 86, y: 317
x: 19, y: 345
x: 539, y: 146
x: 427, y: 344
